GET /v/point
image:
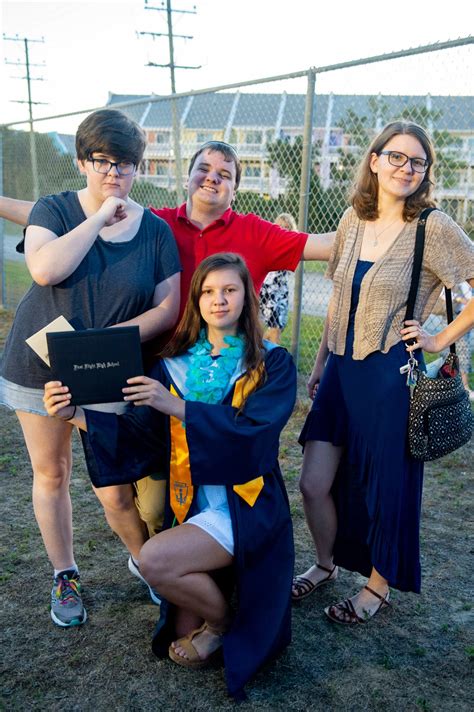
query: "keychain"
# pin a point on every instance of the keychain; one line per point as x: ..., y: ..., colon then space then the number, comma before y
x: 411, y: 370
x: 412, y: 375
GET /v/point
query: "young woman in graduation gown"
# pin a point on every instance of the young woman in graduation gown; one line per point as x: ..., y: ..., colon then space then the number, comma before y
x: 213, y: 409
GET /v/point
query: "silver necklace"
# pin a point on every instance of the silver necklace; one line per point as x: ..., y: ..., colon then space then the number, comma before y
x: 375, y: 241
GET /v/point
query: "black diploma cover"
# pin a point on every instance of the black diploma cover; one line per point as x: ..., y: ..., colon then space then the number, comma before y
x: 95, y: 363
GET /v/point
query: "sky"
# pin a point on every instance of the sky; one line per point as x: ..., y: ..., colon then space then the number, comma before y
x: 92, y: 48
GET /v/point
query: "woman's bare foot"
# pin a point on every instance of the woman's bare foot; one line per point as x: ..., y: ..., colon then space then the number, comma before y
x: 315, y: 576
x: 205, y: 642
x: 359, y: 608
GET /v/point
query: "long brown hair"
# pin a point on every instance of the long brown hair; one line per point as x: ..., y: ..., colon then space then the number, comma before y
x: 364, y: 195
x: 249, y: 326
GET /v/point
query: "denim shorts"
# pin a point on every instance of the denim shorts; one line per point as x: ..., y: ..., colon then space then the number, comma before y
x: 30, y: 400
x: 16, y: 397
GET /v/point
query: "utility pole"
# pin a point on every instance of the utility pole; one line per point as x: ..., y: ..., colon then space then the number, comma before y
x: 27, y: 64
x: 172, y: 66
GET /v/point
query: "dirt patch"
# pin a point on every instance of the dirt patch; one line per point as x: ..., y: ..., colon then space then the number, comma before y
x: 416, y: 657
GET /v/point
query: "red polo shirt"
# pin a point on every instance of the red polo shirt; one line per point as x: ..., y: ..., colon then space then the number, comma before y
x: 264, y: 246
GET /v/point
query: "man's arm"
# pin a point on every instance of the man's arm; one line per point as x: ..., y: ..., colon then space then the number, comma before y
x: 15, y: 210
x: 319, y: 247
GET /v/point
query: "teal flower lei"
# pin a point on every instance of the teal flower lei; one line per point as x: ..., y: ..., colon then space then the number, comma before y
x: 208, y: 378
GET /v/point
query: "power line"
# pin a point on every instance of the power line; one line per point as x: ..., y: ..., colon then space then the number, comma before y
x: 27, y: 64
x: 171, y: 35
x: 172, y: 67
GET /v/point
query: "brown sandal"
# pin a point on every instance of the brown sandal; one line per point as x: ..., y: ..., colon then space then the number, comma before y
x: 345, y: 613
x: 304, y: 587
x: 193, y: 659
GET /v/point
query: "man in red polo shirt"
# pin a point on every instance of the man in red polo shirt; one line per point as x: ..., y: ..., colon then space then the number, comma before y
x: 206, y: 224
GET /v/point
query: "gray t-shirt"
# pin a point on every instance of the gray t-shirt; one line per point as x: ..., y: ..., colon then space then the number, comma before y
x: 114, y: 282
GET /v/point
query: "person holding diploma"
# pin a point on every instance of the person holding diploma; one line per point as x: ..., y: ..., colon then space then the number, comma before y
x: 212, y: 409
x: 98, y: 259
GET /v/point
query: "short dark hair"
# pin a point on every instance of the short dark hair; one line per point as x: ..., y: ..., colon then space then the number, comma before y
x: 112, y: 133
x: 229, y: 153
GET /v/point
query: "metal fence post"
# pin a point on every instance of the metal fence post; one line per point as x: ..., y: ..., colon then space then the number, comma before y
x: 177, y: 151
x: 3, y: 292
x: 303, y: 210
x: 33, y: 155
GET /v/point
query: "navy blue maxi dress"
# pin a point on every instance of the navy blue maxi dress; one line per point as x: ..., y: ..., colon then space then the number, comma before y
x: 363, y: 406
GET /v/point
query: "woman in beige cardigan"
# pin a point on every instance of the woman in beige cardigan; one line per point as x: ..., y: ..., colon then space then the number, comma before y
x: 366, y: 518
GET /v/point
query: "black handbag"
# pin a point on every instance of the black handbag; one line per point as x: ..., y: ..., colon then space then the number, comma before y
x: 440, y: 418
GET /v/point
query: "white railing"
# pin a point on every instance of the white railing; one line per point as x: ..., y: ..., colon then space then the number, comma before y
x: 255, y: 184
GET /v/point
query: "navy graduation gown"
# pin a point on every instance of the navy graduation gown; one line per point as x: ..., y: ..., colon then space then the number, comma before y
x: 225, y: 448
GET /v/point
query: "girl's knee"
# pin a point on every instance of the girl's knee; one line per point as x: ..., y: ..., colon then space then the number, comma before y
x: 313, y: 488
x: 156, y: 563
x: 52, y: 475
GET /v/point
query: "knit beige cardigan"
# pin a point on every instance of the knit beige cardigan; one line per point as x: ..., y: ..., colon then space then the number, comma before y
x: 448, y: 259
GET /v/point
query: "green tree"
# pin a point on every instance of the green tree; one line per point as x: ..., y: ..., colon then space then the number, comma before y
x: 56, y: 171
x: 357, y: 135
x: 379, y: 111
x: 360, y: 129
x: 145, y: 193
x: 247, y: 201
x: 449, y: 161
x: 325, y: 206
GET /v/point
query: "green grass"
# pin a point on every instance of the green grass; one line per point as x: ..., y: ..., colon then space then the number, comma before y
x: 17, y: 281
x: 310, y: 336
x: 409, y: 658
x: 315, y: 267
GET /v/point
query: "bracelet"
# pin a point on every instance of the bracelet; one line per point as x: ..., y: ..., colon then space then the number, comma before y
x: 71, y: 416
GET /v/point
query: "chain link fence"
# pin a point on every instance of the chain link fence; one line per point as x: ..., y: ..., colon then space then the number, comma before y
x: 299, y: 138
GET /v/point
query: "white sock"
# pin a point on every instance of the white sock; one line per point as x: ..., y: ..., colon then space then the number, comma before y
x: 73, y: 566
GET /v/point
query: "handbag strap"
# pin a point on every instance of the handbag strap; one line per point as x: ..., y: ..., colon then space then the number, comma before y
x: 415, y: 275
x: 449, y: 314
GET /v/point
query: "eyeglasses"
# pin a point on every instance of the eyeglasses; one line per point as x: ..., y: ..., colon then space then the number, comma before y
x: 395, y: 158
x: 102, y: 165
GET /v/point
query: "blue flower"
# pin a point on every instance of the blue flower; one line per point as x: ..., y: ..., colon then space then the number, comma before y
x: 208, y: 378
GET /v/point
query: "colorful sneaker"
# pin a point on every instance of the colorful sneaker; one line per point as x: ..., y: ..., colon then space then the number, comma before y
x: 66, y: 603
x: 133, y: 568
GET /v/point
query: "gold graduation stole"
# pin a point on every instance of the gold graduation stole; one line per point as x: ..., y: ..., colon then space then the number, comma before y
x: 181, y: 487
